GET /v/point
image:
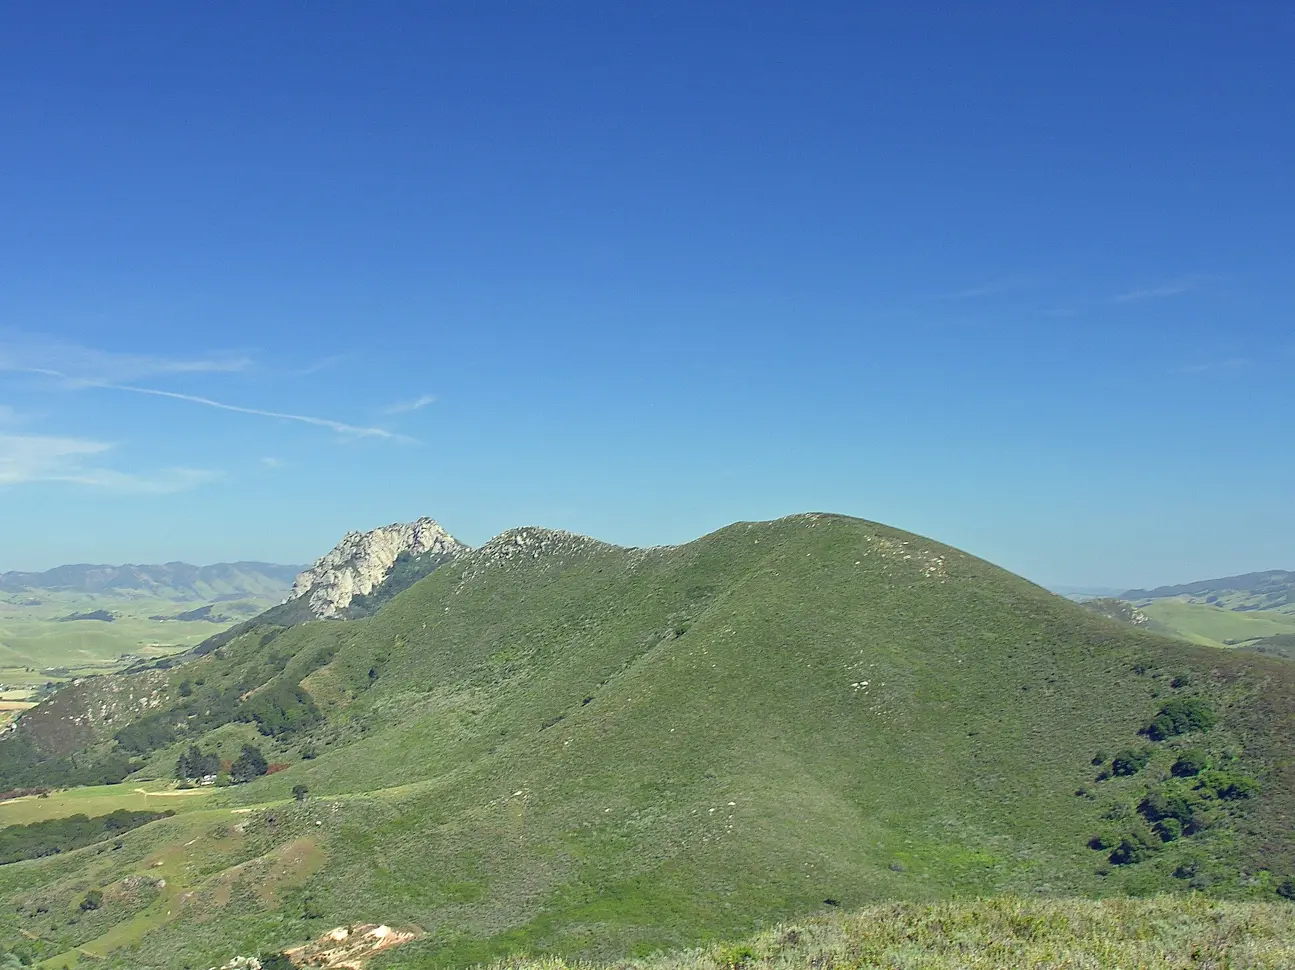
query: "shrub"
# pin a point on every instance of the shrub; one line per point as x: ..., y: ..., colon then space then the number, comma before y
x: 1170, y: 815
x: 1227, y: 786
x: 1286, y: 889
x: 1099, y: 758
x: 93, y: 900
x: 1169, y: 829
x: 1134, y: 847
x: 1179, y: 716
x: 1190, y: 763
x: 1130, y: 761
x: 280, y: 710
x: 275, y: 961
x: 734, y: 956
x: 299, y: 792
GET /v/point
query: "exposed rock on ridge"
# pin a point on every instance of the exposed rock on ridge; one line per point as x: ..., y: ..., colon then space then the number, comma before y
x: 362, y: 560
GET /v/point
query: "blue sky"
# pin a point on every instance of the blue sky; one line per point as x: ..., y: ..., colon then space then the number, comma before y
x: 1017, y: 278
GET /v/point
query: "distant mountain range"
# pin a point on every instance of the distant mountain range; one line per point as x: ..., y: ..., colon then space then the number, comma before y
x: 1271, y: 590
x: 172, y: 580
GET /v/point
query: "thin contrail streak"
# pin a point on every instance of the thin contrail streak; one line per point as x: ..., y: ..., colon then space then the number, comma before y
x: 337, y: 426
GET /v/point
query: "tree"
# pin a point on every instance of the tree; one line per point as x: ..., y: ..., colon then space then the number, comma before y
x: 250, y: 764
x: 195, y: 764
x: 299, y: 792
x: 93, y: 900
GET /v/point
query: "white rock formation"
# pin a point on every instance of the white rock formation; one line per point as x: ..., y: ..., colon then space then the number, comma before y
x: 362, y: 561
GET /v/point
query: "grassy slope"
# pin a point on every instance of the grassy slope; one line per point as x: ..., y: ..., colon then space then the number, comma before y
x: 1213, y: 626
x: 605, y: 751
x: 1165, y: 933
x: 99, y: 800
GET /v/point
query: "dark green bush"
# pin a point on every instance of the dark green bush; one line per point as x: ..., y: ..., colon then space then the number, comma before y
x: 281, y: 710
x: 1134, y: 847
x: 1170, y: 814
x: 93, y: 900
x: 1179, y: 716
x: 1191, y: 762
x: 1286, y: 888
x: 1130, y: 761
x: 1227, y: 785
x: 1169, y: 829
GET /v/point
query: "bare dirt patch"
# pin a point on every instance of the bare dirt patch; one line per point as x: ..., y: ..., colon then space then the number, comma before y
x: 348, y: 947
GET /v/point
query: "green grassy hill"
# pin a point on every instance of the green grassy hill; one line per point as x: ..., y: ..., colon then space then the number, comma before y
x: 553, y: 745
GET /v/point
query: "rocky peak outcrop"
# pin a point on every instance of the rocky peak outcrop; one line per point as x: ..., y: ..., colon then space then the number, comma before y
x: 362, y: 560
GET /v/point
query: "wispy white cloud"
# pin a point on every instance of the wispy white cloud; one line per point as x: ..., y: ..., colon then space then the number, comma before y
x: 1159, y: 290
x: 72, y: 368
x: 55, y: 458
x: 341, y: 427
x: 272, y: 463
x: 8, y: 416
x: 404, y: 407
x: 36, y: 356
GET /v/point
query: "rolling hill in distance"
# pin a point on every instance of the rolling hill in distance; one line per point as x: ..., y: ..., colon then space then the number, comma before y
x: 1253, y: 611
x: 83, y: 619
x: 550, y: 744
x: 173, y: 580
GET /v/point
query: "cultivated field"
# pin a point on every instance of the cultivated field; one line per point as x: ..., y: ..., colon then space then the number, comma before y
x: 38, y: 644
x: 1212, y: 626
